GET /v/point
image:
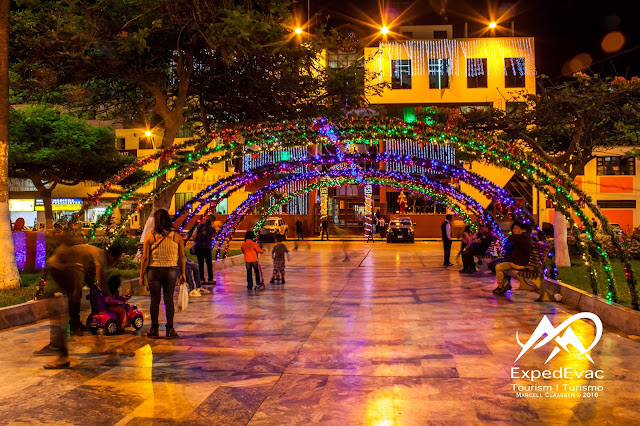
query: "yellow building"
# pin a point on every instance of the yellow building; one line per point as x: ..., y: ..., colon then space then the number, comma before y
x: 467, y: 72
x: 611, y: 181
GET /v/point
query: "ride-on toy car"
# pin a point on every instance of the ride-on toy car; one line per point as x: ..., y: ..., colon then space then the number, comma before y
x: 100, y: 317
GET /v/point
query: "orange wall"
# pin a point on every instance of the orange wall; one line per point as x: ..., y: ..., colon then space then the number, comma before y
x: 620, y: 216
x: 616, y: 184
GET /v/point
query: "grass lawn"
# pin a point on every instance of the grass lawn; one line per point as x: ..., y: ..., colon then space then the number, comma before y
x: 29, y: 281
x: 231, y: 252
x: 577, y: 276
x: 27, y: 291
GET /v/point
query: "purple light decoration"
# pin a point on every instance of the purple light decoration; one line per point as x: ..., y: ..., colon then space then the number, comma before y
x: 237, y: 215
x: 20, y: 249
x: 486, y: 187
x: 41, y: 250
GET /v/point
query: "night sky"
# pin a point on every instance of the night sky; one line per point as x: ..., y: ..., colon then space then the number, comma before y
x: 568, y: 33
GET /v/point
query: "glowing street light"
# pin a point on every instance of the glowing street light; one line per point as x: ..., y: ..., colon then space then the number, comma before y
x: 298, y: 30
x: 148, y: 133
x: 384, y: 30
x: 492, y: 25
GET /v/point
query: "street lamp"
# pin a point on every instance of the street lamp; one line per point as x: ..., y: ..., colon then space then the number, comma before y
x: 298, y: 30
x: 384, y: 30
x: 148, y: 133
x: 492, y: 25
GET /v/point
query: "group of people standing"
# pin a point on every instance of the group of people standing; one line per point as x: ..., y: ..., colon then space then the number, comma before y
x: 516, y: 253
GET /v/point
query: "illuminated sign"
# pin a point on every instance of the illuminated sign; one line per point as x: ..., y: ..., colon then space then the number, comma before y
x: 61, y: 204
x: 21, y: 205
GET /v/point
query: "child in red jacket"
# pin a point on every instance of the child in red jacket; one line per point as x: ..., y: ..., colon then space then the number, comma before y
x: 251, y: 250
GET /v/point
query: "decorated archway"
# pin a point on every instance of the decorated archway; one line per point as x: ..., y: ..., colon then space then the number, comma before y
x: 450, y: 197
x: 355, y: 136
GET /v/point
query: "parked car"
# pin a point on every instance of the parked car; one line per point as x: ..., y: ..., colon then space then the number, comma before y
x: 400, y: 229
x: 272, y: 227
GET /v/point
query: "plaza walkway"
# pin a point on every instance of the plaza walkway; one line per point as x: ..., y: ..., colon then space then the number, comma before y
x: 390, y: 337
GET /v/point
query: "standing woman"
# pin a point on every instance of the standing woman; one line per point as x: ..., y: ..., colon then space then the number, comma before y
x: 163, y: 254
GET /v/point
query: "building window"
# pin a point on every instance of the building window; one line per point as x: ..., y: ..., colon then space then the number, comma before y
x: 121, y: 143
x: 608, y: 166
x: 438, y: 73
x: 343, y: 60
x: 401, y: 74
x: 145, y: 143
x: 515, y: 107
x: 514, y: 71
x: 439, y: 34
x: 186, y: 131
x: 476, y: 73
x: 468, y: 108
x: 616, y: 204
x: 182, y: 198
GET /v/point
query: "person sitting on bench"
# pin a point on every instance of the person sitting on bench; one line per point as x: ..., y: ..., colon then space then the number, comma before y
x: 518, y: 259
x: 477, y: 247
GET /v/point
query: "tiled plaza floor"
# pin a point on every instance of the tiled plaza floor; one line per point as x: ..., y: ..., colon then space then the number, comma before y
x: 390, y: 337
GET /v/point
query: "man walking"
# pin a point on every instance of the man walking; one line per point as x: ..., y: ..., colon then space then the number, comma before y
x: 446, y: 239
x: 299, y: 230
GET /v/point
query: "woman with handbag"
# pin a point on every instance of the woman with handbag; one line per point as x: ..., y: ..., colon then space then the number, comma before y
x: 163, y: 255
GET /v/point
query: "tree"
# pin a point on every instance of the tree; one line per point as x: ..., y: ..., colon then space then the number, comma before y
x: 9, y: 277
x: 51, y: 148
x: 165, y: 61
x: 564, y: 124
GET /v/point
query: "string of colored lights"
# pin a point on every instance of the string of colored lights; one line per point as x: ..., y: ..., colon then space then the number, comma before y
x: 229, y: 228
x: 489, y: 189
x: 366, y: 130
x: 374, y: 182
x: 235, y: 217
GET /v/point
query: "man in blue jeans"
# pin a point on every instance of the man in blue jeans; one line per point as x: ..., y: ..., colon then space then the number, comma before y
x: 193, y: 279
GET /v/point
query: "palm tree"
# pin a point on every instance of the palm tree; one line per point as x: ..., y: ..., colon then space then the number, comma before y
x: 9, y: 277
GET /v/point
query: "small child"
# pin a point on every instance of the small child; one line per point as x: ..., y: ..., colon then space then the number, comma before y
x: 277, y: 253
x: 114, y: 303
x: 250, y: 250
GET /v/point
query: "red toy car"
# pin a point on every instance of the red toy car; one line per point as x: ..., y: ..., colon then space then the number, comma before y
x: 100, y: 317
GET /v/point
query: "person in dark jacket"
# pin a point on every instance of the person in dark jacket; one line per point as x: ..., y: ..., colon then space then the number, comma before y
x: 507, y: 248
x: 202, y: 248
x: 445, y: 228
x: 299, y: 230
x: 518, y: 259
x: 325, y: 229
x: 478, y: 246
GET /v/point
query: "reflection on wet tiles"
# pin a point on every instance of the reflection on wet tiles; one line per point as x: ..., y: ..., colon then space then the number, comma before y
x: 396, y: 339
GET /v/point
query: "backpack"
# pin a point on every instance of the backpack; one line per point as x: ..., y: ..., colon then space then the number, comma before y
x: 204, y: 235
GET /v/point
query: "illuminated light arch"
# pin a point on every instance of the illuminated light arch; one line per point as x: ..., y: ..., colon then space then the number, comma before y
x: 484, y: 186
x: 374, y: 182
x: 409, y: 181
x: 371, y: 131
x: 428, y: 163
x: 231, y: 226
